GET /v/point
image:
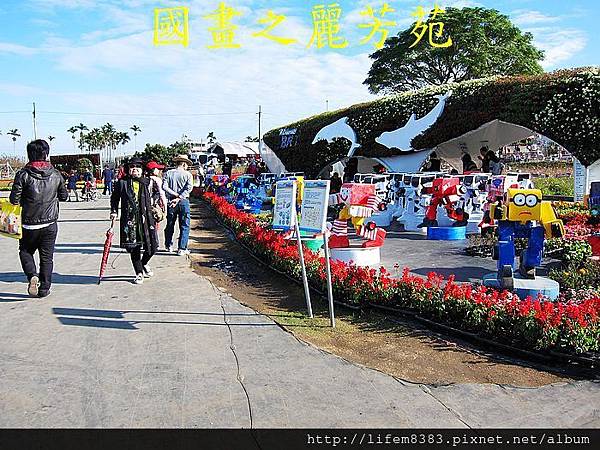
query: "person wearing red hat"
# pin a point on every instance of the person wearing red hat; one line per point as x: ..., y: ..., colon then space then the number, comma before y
x: 137, y: 224
x: 157, y: 193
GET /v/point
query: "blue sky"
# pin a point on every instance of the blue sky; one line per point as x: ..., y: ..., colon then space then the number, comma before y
x: 93, y: 61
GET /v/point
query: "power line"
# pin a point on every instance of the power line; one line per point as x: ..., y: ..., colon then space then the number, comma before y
x: 145, y: 114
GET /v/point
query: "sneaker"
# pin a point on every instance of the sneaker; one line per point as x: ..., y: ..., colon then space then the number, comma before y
x: 148, y: 272
x: 43, y: 293
x: 139, y: 279
x: 170, y: 249
x: 183, y: 252
x: 34, y: 285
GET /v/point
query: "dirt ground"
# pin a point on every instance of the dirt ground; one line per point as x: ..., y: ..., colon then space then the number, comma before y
x: 400, y: 347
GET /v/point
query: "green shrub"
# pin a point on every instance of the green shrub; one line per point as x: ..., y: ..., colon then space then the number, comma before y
x: 556, y: 186
x: 571, y: 252
x: 576, y: 276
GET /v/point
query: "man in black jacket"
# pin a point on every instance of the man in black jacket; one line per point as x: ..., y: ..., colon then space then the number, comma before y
x: 38, y: 187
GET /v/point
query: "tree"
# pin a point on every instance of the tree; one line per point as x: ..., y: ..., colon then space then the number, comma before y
x: 251, y: 139
x: 135, y: 130
x: 162, y: 154
x: 81, y: 128
x: 179, y: 148
x: 156, y: 152
x: 15, y: 134
x: 484, y: 43
x: 84, y: 165
x: 51, y: 138
x: 72, y: 130
x: 211, y: 137
x: 123, y: 138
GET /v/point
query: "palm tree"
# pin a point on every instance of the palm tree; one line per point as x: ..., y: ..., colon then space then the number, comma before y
x: 211, y: 137
x: 51, y: 138
x: 109, y: 135
x: 92, y: 140
x: 81, y: 127
x: 123, y: 138
x: 135, y: 130
x: 72, y: 130
x: 15, y: 134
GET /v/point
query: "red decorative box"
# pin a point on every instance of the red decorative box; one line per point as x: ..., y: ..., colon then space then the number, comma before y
x: 595, y: 243
x: 358, y: 193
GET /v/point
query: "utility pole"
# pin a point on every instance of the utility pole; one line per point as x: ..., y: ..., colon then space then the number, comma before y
x: 34, y: 123
x: 259, y: 119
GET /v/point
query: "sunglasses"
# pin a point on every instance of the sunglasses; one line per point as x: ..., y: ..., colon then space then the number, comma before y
x: 135, y: 166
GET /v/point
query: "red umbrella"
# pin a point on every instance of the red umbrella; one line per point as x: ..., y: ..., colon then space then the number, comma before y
x: 109, y: 237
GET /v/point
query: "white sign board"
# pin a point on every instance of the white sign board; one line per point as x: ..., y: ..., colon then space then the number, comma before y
x: 580, y: 175
x: 314, y: 206
x: 284, y: 211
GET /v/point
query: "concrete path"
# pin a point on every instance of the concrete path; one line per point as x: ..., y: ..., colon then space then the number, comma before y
x: 177, y: 352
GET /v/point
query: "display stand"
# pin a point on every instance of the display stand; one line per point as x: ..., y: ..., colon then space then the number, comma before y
x: 525, y: 287
x: 313, y: 219
x: 446, y: 233
x: 359, y: 256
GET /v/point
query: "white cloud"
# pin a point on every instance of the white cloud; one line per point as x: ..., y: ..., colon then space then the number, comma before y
x: 43, y: 23
x: 290, y: 82
x: 526, y: 17
x: 560, y: 45
x: 70, y: 4
x: 16, y: 49
x: 459, y: 4
x: 18, y: 90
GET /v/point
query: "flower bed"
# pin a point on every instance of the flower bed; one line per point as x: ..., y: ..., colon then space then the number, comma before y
x: 568, y: 325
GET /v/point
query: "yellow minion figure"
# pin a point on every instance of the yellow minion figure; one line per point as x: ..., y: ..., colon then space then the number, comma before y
x: 523, y: 215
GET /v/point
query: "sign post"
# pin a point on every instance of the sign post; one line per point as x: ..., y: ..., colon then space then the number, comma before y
x: 314, y: 219
x: 304, y: 277
x: 329, y: 283
x: 284, y: 218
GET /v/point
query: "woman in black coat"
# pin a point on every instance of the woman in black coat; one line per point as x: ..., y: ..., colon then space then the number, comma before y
x: 137, y: 225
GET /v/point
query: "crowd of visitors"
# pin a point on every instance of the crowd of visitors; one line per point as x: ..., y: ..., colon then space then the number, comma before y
x: 143, y: 198
x: 139, y: 197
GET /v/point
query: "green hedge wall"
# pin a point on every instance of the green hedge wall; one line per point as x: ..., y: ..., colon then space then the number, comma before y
x: 563, y: 106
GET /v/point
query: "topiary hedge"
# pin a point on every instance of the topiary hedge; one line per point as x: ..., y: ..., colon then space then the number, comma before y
x: 563, y: 106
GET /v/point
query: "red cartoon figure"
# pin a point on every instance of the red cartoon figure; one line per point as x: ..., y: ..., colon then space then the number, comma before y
x: 445, y: 192
x: 360, y: 203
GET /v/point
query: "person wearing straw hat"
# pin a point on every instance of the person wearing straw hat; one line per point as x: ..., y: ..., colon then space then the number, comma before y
x: 178, y: 184
x: 137, y: 226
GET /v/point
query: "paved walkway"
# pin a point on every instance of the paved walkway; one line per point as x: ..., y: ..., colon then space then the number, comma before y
x: 177, y: 352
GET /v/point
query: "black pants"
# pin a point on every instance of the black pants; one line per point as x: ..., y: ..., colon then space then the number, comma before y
x: 138, y: 260
x: 42, y: 241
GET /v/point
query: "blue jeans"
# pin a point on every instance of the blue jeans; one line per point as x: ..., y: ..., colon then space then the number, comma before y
x: 181, y: 211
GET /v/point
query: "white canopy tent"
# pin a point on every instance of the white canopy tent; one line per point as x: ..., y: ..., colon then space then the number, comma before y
x: 406, y: 163
x: 271, y: 160
x: 494, y: 134
x: 239, y: 149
